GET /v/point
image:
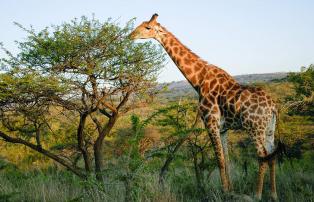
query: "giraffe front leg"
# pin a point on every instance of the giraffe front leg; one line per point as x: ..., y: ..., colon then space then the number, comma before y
x: 214, y: 135
x: 273, y: 179
x: 221, y: 162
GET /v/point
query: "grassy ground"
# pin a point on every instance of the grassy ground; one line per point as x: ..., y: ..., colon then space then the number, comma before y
x: 295, y: 182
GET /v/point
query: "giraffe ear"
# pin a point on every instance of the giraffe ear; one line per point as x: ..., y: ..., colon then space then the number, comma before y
x: 153, y: 18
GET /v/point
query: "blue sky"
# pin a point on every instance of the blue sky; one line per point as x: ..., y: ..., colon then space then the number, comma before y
x: 240, y: 36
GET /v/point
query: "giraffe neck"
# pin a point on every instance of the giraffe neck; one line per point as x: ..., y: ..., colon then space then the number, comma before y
x: 192, y: 66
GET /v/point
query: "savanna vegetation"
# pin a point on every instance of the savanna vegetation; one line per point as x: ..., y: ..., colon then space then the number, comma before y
x: 81, y: 119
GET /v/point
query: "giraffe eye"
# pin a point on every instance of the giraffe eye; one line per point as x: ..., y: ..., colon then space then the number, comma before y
x: 148, y: 28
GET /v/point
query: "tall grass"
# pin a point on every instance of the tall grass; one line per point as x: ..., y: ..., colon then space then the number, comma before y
x: 294, y: 183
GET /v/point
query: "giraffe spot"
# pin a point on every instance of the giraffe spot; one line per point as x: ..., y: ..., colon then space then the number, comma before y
x: 203, y: 72
x: 254, y: 106
x: 260, y: 93
x: 182, y: 52
x: 247, y: 103
x: 187, y: 61
x: 246, y: 93
x: 215, y: 109
x: 193, y: 79
x: 263, y: 104
x: 171, y: 42
x: 175, y: 50
x: 204, y: 110
x: 165, y: 41
x: 213, y: 83
x: 243, y: 98
x: 215, y: 71
x: 200, y: 77
x: 178, y: 61
x: 205, y: 88
x: 214, y: 93
x: 217, y: 88
x: 236, y: 87
x: 200, y: 65
x: 170, y: 52
x: 223, y: 91
x: 232, y: 108
x: 197, y: 68
x: 187, y: 70
x: 259, y: 111
x: 231, y: 93
x: 253, y: 100
x: 222, y: 80
x: 205, y: 102
x: 253, y: 117
x: 229, y: 85
x: 190, y: 56
x: 261, y: 99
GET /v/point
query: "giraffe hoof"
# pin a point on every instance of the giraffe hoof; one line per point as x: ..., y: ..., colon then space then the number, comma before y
x: 258, y: 197
x: 274, y: 196
x: 238, y: 197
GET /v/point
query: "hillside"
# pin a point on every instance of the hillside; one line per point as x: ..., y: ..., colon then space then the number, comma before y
x: 177, y: 89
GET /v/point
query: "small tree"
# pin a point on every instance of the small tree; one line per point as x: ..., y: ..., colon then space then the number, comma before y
x: 95, y: 68
x: 303, y: 101
x: 181, y: 122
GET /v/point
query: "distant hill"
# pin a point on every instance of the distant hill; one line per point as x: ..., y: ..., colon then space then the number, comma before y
x: 253, y: 78
x: 177, y: 89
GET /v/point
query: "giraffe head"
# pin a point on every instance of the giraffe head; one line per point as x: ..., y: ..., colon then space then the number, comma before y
x: 148, y: 29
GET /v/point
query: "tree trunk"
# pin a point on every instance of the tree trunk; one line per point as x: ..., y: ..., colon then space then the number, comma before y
x: 80, y: 142
x: 198, y: 175
x: 169, y: 159
x: 98, y: 146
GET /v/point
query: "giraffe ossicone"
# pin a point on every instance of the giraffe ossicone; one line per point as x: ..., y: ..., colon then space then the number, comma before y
x: 224, y: 103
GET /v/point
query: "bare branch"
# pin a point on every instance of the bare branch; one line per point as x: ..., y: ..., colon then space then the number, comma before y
x: 47, y: 153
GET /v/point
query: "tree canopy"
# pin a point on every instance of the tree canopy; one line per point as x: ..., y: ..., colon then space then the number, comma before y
x: 84, y: 67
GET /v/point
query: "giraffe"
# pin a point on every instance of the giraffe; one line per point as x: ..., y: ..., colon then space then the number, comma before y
x: 224, y: 104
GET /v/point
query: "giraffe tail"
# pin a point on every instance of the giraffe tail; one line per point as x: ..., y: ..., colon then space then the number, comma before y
x: 281, y: 149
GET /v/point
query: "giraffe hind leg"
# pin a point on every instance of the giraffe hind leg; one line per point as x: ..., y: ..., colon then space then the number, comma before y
x: 272, y: 167
x: 260, y: 179
x: 270, y: 146
x: 224, y: 141
x: 259, y: 139
x: 265, y: 146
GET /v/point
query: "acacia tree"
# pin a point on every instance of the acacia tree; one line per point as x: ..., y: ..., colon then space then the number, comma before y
x: 95, y: 69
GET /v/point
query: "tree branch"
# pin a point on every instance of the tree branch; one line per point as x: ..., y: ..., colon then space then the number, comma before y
x: 47, y: 153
